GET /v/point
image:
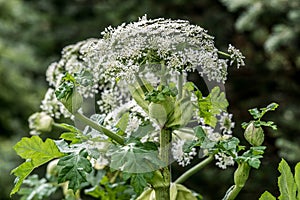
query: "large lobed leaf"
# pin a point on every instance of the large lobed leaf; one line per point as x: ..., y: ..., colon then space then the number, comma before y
x: 36, y: 152
x: 74, y: 169
x: 135, y: 159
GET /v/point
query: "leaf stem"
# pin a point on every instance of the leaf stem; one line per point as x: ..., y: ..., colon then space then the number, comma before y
x: 194, y: 169
x: 99, y: 128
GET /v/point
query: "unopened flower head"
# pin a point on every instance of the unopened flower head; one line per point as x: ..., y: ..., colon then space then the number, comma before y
x: 40, y: 122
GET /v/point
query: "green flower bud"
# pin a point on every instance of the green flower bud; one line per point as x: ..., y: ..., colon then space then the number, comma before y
x: 254, y: 135
x: 72, y: 102
x: 158, y: 113
x: 40, y: 122
x: 241, y: 174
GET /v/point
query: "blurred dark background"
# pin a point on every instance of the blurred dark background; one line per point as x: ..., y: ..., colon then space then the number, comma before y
x: 33, y: 32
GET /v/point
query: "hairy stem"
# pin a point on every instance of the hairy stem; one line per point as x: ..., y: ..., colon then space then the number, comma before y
x: 194, y: 169
x: 99, y: 128
x: 162, y: 190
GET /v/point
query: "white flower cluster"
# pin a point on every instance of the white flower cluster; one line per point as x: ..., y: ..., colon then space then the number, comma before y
x: 236, y: 56
x: 137, y: 49
x: 183, y: 158
x: 222, y: 133
x: 180, y: 45
x: 223, y: 160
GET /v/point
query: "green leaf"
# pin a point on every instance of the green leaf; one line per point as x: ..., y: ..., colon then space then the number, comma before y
x: 270, y: 107
x: 137, y: 92
x: 182, y: 114
x: 255, y: 113
x: 297, y: 179
x: 211, y: 105
x: 74, y: 168
x: 189, y: 86
x: 180, y: 192
x: 36, y: 152
x: 199, y: 132
x: 267, y: 196
x: 129, y: 158
x: 252, y: 156
x: 70, y: 136
x: 139, y: 181
x: 123, y: 122
x: 143, y: 130
x: 286, y: 182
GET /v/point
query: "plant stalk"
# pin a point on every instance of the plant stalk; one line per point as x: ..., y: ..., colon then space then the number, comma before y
x: 232, y: 194
x: 99, y: 128
x: 180, y: 85
x: 194, y: 169
x: 224, y: 54
x: 162, y: 190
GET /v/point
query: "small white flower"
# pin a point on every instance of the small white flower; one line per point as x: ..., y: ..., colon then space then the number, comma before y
x: 236, y: 56
x: 183, y: 158
x: 133, y: 124
x: 224, y: 160
x: 226, y: 123
x: 52, y: 106
x: 211, y: 134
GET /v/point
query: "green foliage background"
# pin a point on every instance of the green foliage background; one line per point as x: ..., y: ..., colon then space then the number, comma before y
x: 33, y: 32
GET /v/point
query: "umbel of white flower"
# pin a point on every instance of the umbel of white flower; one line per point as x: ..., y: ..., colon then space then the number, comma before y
x: 137, y: 49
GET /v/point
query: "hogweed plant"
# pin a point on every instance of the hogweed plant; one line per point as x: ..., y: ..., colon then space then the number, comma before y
x: 134, y: 113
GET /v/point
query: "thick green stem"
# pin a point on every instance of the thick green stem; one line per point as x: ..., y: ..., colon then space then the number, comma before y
x: 180, y: 85
x: 194, y: 169
x: 232, y: 194
x: 99, y: 128
x: 241, y: 175
x: 162, y: 190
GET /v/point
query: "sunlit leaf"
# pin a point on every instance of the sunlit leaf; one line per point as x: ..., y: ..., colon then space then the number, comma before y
x: 286, y: 182
x: 36, y: 152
